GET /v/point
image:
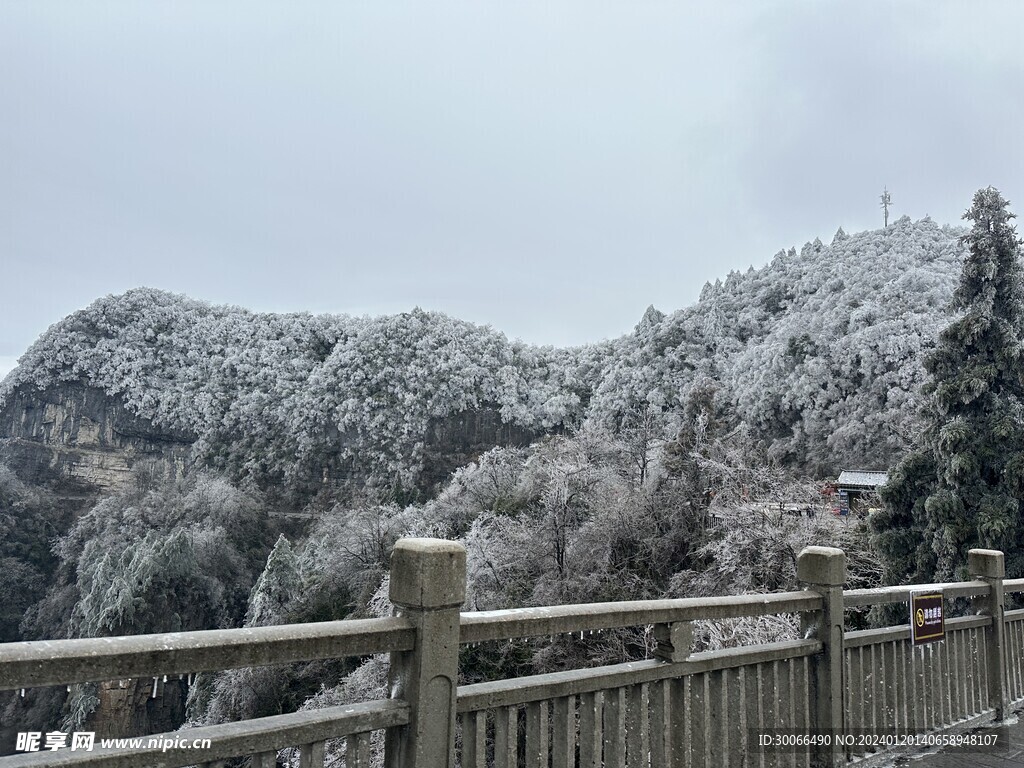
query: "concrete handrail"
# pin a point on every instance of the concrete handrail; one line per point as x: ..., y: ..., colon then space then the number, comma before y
x: 61, y: 662
x: 481, y: 626
x: 856, y: 598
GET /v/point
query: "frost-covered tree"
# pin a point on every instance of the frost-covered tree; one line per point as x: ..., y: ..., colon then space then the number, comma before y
x: 755, y: 550
x: 962, y: 487
x: 277, y: 587
x: 28, y: 524
x: 180, y: 555
x: 345, y: 557
x: 252, y: 692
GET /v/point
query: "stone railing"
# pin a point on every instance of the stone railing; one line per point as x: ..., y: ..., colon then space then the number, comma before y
x: 677, y: 709
x: 972, y: 676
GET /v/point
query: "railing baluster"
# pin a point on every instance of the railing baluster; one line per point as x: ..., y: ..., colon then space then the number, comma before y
x: 942, y: 678
x: 736, y: 738
x: 753, y: 723
x: 615, y: 728
x: 920, y: 688
x: 506, y: 736
x: 265, y: 760
x: 957, y: 674
x: 966, y: 673
x: 928, y: 677
x: 909, y: 683
x: 770, y: 703
x: 902, y: 685
x: 563, y: 732
x: 867, y: 692
x: 954, y: 684
x: 924, y: 688
x: 968, y: 656
x: 962, y: 675
x: 661, y: 707
x: 935, y: 687
x: 698, y: 720
x: 1013, y: 629
x: 852, y: 698
x: 716, y: 747
x: 983, y: 666
x: 794, y: 706
x: 1011, y: 661
x: 537, y: 734
x: 987, y: 685
x: 591, y: 719
x: 885, y: 689
x: 802, y: 690
x: 637, y: 739
x: 982, y: 670
x: 891, y: 691
x: 868, y: 672
x: 357, y: 750
x: 679, y: 737
x: 784, y: 696
x: 474, y: 739
x: 1018, y: 659
x: 311, y: 755
x: 977, y: 671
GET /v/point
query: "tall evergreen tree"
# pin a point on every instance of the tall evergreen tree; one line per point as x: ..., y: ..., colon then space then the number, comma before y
x: 963, y: 485
x: 277, y: 587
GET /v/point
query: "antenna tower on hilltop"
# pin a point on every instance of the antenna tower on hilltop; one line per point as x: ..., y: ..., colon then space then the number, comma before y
x: 886, y: 200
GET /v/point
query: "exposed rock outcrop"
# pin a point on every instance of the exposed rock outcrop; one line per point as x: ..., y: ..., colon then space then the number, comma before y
x: 79, y: 440
x: 130, y: 708
x: 82, y: 442
x: 455, y: 440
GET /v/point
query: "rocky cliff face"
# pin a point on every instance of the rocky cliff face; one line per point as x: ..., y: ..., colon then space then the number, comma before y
x: 82, y: 442
x: 77, y: 438
x: 138, y: 707
x: 458, y: 439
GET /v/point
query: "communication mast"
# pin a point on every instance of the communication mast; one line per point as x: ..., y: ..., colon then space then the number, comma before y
x: 886, y: 200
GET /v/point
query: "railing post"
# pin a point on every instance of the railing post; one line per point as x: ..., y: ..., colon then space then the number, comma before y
x: 989, y: 566
x: 428, y: 585
x: 823, y: 570
x: 674, y: 640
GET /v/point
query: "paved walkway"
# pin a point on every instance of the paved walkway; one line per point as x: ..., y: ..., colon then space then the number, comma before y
x: 1013, y: 757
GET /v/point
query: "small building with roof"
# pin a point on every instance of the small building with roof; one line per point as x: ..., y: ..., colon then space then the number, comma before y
x: 855, y: 485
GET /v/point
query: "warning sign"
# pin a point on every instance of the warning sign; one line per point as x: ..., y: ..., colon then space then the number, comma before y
x: 927, y: 623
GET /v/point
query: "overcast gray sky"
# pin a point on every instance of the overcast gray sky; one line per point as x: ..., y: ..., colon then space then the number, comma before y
x: 548, y: 168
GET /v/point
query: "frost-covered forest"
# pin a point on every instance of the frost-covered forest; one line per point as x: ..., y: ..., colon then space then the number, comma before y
x: 818, y: 353
x: 651, y: 452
